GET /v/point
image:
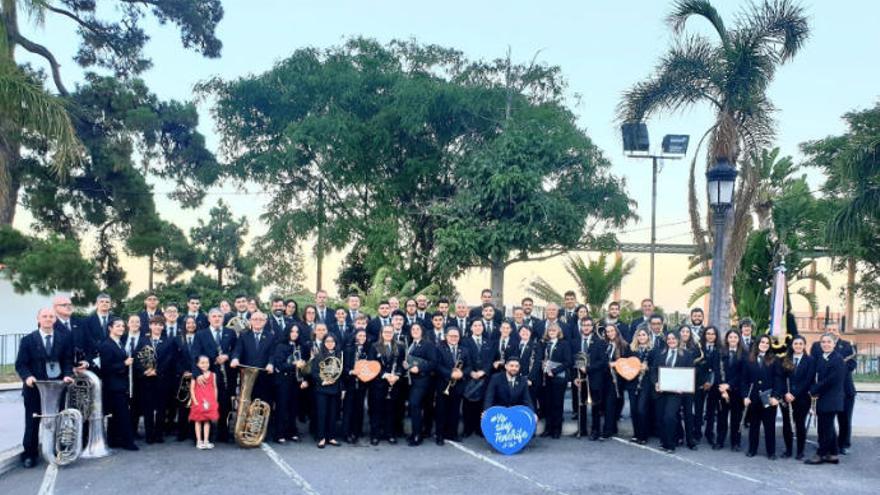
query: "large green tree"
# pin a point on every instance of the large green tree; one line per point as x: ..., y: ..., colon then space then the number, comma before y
x: 594, y: 278
x: 851, y: 163
x: 730, y: 75
x: 220, y: 243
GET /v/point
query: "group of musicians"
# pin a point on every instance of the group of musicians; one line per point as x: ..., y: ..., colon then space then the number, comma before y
x: 442, y: 369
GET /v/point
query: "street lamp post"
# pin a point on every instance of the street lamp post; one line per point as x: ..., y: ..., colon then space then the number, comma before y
x: 721, y: 180
x: 636, y: 145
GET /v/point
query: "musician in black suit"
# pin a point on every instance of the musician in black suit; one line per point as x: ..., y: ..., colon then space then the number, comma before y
x: 355, y: 390
x: 670, y: 403
x: 798, y: 374
x: 763, y: 379
x: 707, y: 396
x: 746, y: 327
x: 290, y: 358
x: 490, y: 323
x: 130, y: 342
x: 551, y: 313
x: 615, y: 348
x: 155, y: 381
x: 613, y: 318
x: 382, y: 319
x: 308, y: 323
x: 486, y: 298
x: 279, y: 323
x: 556, y: 363
x: 43, y: 354
x: 844, y: 419
x: 647, y: 306
x: 384, y: 389
x: 508, y: 389
x: 255, y: 348
x: 418, y: 361
x: 729, y: 381
x: 115, y: 369
x: 84, y: 351
x: 528, y: 352
x: 481, y: 350
x: 593, y: 377
x: 97, y: 323
x: 239, y: 309
x: 453, y: 366
x: 656, y: 326
x: 504, y: 345
x: 184, y: 357
x: 528, y: 305
x: 354, y: 308
x: 828, y: 390
x: 461, y: 319
x: 569, y: 310
x: 193, y: 308
x: 342, y: 329
x: 217, y: 343
x: 436, y: 333
x: 640, y: 389
x: 151, y: 309
x: 326, y: 394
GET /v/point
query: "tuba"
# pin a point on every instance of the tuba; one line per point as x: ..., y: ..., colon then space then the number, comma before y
x: 60, y: 432
x: 252, y: 416
x: 84, y: 395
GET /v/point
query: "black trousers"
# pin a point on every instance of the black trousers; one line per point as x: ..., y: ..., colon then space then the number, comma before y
x: 225, y: 392
x: 448, y: 413
x: 612, y: 399
x: 470, y: 416
x: 638, y: 411
x: 844, y: 422
x: 136, y: 404
x: 419, y: 395
x: 765, y: 417
x: 31, y: 440
x: 799, y: 411
x: 153, y: 393
x: 700, y: 397
x: 381, y: 409
x: 287, y: 393
x: 682, y: 431
x: 429, y: 406
x: 827, y: 436
x: 400, y: 408
x: 119, y: 433
x: 353, y: 409
x: 554, y: 401
x: 581, y: 407
x: 674, y: 407
x: 327, y: 409
x: 730, y: 413
x: 711, y: 412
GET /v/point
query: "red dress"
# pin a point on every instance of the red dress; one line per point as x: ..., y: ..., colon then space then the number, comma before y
x: 204, y: 406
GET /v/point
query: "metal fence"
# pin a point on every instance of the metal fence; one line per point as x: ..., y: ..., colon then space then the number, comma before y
x: 8, y: 350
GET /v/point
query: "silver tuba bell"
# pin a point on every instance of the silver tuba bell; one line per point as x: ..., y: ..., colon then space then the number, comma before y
x: 60, y: 432
x: 84, y: 395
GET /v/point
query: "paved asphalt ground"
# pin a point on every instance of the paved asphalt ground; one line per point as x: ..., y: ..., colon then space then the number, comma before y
x: 565, y: 466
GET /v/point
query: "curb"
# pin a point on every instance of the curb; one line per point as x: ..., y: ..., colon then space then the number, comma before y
x: 10, y: 386
x: 9, y: 459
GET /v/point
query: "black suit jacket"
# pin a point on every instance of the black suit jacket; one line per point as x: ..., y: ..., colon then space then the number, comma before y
x: 598, y: 359
x: 685, y: 359
x: 82, y: 343
x: 830, y: 376
x: 846, y: 352
x: 165, y: 354
x: 799, y: 380
x: 499, y: 393
x: 560, y: 354
x: 250, y: 353
x: 183, y: 359
x: 114, y: 372
x: 32, y: 356
x: 95, y: 331
x: 481, y: 359
x: 529, y: 360
x: 204, y: 345
x: 477, y: 314
x: 426, y: 350
x: 445, y: 364
x: 455, y: 321
x: 201, y: 320
x: 145, y: 319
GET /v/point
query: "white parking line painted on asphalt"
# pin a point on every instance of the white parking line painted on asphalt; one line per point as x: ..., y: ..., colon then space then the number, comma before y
x: 288, y: 470
x: 700, y: 464
x: 48, y: 485
x: 504, y: 468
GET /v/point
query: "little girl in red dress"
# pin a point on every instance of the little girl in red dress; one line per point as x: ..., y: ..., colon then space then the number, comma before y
x: 203, y: 408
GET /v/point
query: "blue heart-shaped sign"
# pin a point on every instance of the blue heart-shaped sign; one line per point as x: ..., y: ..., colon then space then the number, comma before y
x: 508, y: 429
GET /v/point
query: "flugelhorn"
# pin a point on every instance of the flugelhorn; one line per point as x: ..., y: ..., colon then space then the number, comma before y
x: 60, y: 432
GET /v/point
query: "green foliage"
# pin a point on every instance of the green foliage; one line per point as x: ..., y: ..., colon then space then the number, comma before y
x: 46, y: 265
x: 179, y: 292
x: 851, y: 162
x: 220, y: 241
x: 595, y: 280
x: 280, y: 263
x: 386, y: 283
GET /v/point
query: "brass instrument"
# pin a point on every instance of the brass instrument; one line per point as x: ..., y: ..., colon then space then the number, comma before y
x: 252, y: 416
x: 60, y: 432
x: 295, y: 357
x: 183, y: 394
x: 238, y: 324
x: 84, y: 395
x: 146, y: 357
x: 582, y: 362
x: 330, y: 369
x: 452, y: 381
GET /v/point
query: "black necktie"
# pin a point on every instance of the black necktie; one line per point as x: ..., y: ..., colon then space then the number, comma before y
x: 48, y: 345
x: 130, y: 346
x: 104, y: 322
x: 67, y: 325
x: 670, y: 358
x: 796, y: 361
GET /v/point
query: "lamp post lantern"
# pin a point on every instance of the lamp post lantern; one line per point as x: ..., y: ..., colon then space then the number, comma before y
x: 720, y: 183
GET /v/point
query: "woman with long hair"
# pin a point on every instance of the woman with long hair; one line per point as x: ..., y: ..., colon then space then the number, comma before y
x: 616, y: 348
x: 731, y: 370
x: 326, y: 394
x: 762, y: 380
x: 382, y: 389
x: 706, y: 398
x: 556, y: 360
x: 798, y: 371
x: 355, y: 390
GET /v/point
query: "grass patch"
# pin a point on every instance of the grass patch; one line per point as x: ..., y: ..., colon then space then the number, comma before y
x: 867, y: 378
x: 7, y: 374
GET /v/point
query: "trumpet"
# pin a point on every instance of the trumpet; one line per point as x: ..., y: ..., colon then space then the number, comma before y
x: 452, y: 381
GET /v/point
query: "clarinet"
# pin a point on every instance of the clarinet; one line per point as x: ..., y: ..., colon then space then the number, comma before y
x: 393, y: 371
x: 222, y: 367
x: 641, y: 374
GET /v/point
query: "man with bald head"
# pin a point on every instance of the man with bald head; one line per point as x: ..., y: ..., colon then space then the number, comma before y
x: 43, y: 354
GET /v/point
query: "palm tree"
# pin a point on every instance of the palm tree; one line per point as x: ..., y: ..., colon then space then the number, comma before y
x: 595, y: 280
x: 731, y: 76
x: 26, y: 108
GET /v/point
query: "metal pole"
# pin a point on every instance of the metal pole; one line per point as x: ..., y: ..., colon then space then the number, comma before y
x: 653, y: 221
x: 719, y: 219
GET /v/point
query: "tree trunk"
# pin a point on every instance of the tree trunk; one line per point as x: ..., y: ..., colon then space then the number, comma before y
x: 150, y: 274
x: 319, y: 243
x: 497, y: 284
x: 219, y: 277
x: 8, y: 183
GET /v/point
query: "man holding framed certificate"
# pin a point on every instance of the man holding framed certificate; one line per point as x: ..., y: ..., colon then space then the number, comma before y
x: 673, y: 374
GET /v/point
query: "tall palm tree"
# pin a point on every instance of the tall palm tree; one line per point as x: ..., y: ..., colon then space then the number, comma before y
x: 595, y: 281
x: 26, y: 108
x: 730, y: 75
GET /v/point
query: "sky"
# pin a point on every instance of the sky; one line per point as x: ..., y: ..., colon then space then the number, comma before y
x: 602, y: 47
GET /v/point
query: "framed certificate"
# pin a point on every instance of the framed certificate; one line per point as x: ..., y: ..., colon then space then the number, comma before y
x: 678, y: 380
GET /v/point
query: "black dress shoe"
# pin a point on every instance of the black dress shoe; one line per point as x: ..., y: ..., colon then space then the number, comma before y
x: 693, y: 446
x: 800, y: 456
x: 545, y: 433
x: 28, y: 463
x: 412, y: 442
x: 456, y: 438
x: 374, y: 441
x: 439, y: 440
x: 294, y: 438
x: 131, y: 447
x: 831, y: 459
x: 594, y: 437
x: 735, y: 448
x: 555, y: 436
x: 750, y: 454
x: 643, y: 442
x: 815, y: 460
x: 468, y: 434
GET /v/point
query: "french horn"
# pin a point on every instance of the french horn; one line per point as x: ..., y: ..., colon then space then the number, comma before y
x: 330, y: 369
